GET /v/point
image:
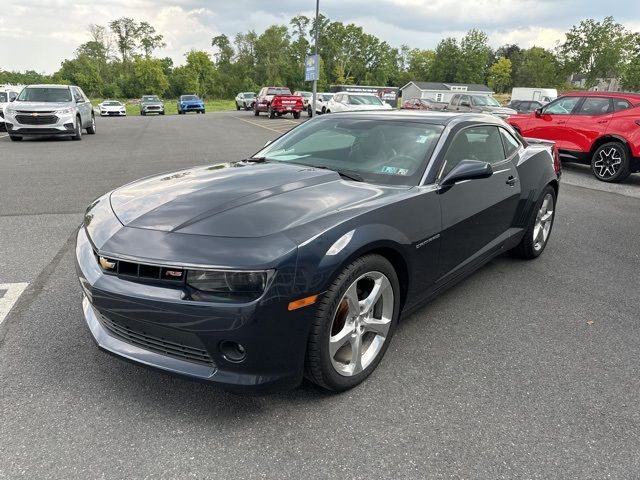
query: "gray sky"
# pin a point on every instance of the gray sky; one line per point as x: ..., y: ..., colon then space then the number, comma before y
x: 40, y: 34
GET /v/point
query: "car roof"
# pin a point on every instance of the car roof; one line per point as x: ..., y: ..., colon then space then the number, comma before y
x: 634, y: 97
x: 426, y: 116
x: 46, y: 85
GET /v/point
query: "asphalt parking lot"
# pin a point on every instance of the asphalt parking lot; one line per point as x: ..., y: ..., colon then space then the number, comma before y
x: 524, y: 370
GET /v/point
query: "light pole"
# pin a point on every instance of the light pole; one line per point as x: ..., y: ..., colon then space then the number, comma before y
x: 315, y: 81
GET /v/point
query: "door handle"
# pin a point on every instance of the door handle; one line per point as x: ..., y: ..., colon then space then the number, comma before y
x: 561, y: 122
x: 603, y: 121
x: 511, y: 181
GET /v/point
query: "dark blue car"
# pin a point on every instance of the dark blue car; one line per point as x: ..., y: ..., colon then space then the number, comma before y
x: 190, y: 103
x: 301, y: 259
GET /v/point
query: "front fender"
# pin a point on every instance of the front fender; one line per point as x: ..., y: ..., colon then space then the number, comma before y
x: 316, y: 269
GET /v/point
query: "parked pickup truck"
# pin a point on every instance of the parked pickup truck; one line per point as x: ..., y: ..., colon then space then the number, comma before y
x: 278, y: 101
x: 478, y: 103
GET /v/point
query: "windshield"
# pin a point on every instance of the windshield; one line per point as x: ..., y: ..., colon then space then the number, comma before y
x: 485, y: 101
x: 249, y: 94
x: 386, y: 152
x: 189, y: 97
x: 44, y: 94
x: 150, y: 98
x: 306, y: 94
x: 278, y: 91
x: 325, y: 97
x: 364, y: 100
x: 111, y: 104
x: 4, y: 97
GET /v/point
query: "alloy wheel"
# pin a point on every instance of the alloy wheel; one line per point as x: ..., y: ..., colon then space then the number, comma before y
x: 361, y: 323
x: 544, y: 220
x: 608, y: 163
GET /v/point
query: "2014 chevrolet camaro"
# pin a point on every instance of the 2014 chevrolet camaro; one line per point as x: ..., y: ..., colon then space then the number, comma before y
x: 301, y: 259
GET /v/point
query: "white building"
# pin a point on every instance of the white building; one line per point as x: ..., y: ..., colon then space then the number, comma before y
x: 441, y: 92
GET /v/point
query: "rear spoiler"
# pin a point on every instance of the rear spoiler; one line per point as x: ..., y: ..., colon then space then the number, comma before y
x: 556, y: 154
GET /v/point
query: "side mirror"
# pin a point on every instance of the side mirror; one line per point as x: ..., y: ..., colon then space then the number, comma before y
x: 465, y: 104
x: 13, y: 99
x: 467, y: 170
x: 538, y: 112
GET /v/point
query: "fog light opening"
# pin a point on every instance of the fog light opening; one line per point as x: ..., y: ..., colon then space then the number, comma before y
x: 232, y: 351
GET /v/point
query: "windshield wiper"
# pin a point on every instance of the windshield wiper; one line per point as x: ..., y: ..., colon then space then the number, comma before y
x: 349, y: 175
x: 255, y: 160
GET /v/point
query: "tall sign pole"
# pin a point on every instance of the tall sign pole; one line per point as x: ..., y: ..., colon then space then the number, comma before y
x: 315, y: 81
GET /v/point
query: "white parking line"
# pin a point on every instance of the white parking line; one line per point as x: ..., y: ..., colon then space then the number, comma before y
x: 12, y: 292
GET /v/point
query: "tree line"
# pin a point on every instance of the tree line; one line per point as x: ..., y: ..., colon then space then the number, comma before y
x: 118, y: 61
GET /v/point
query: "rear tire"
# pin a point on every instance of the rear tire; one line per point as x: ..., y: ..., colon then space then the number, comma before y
x: 610, y: 162
x: 91, y: 130
x: 309, y: 112
x: 296, y: 115
x: 348, y: 338
x: 539, y: 228
x: 256, y: 112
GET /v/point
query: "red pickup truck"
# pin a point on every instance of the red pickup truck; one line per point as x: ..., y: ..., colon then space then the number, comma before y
x: 277, y: 101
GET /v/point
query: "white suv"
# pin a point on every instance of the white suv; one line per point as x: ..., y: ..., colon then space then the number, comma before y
x: 7, y: 95
x: 49, y: 110
x: 350, y: 102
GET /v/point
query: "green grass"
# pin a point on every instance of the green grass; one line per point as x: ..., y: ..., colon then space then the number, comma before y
x: 170, y: 106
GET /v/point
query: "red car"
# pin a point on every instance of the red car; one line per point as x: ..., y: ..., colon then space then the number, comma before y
x: 598, y: 128
x: 422, y: 104
x: 277, y: 101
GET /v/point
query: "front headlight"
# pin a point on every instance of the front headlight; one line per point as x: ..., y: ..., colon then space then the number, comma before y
x: 64, y: 111
x: 229, y: 283
x: 10, y: 111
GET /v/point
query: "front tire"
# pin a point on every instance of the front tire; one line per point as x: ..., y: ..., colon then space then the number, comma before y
x: 309, y: 112
x: 15, y: 138
x: 91, y: 130
x: 353, y: 324
x: 272, y: 113
x: 610, y: 162
x: 539, y: 228
x: 78, y: 130
x: 237, y: 107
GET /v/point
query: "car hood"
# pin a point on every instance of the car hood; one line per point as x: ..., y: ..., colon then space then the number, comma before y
x: 238, y: 199
x: 112, y: 107
x: 188, y: 102
x: 41, y: 106
x: 498, y: 110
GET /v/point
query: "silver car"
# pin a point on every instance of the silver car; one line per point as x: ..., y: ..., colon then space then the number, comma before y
x: 49, y: 110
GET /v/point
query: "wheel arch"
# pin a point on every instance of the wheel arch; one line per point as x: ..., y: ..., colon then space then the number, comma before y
x: 606, y: 139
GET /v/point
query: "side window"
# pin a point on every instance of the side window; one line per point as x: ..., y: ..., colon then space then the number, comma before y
x: 465, y: 98
x: 454, y: 100
x: 562, y: 106
x: 511, y: 145
x: 620, y: 104
x: 76, y: 94
x: 12, y: 96
x: 474, y: 143
x: 595, y: 106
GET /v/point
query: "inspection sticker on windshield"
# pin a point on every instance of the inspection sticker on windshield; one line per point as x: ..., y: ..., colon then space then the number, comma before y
x: 395, y: 170
x: 422, y: 139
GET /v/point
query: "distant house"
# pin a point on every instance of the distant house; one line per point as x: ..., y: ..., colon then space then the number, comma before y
x: 441, y: 92
x: 610, y: 84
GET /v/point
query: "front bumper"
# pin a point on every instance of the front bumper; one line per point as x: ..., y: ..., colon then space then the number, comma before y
x: 113, y: 113
x: 192, y: 108
x: 152, y: 109
x: 152, y: 325
x: 61, y: 125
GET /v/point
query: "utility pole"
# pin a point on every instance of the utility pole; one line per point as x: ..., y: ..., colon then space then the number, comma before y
x: 315, y: 81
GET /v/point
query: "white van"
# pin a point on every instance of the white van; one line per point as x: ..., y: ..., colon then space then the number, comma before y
x: 543, y: 95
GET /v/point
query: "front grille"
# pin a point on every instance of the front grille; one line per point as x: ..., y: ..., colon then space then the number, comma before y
x: 153, y: 107
x: 39, y: 131
x: 37, y: 120
x: 156, y: 344
x: 113, y: 113
x: 141, y: 271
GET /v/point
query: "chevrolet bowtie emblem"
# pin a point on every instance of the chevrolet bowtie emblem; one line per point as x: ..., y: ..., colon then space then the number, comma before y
x: 34, y: 114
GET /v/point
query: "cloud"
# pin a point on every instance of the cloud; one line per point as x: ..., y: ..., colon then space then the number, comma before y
x: 40, y: 34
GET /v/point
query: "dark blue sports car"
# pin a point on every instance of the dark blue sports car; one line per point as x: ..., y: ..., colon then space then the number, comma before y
x: 300, y: 260
x: 190, y: 103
